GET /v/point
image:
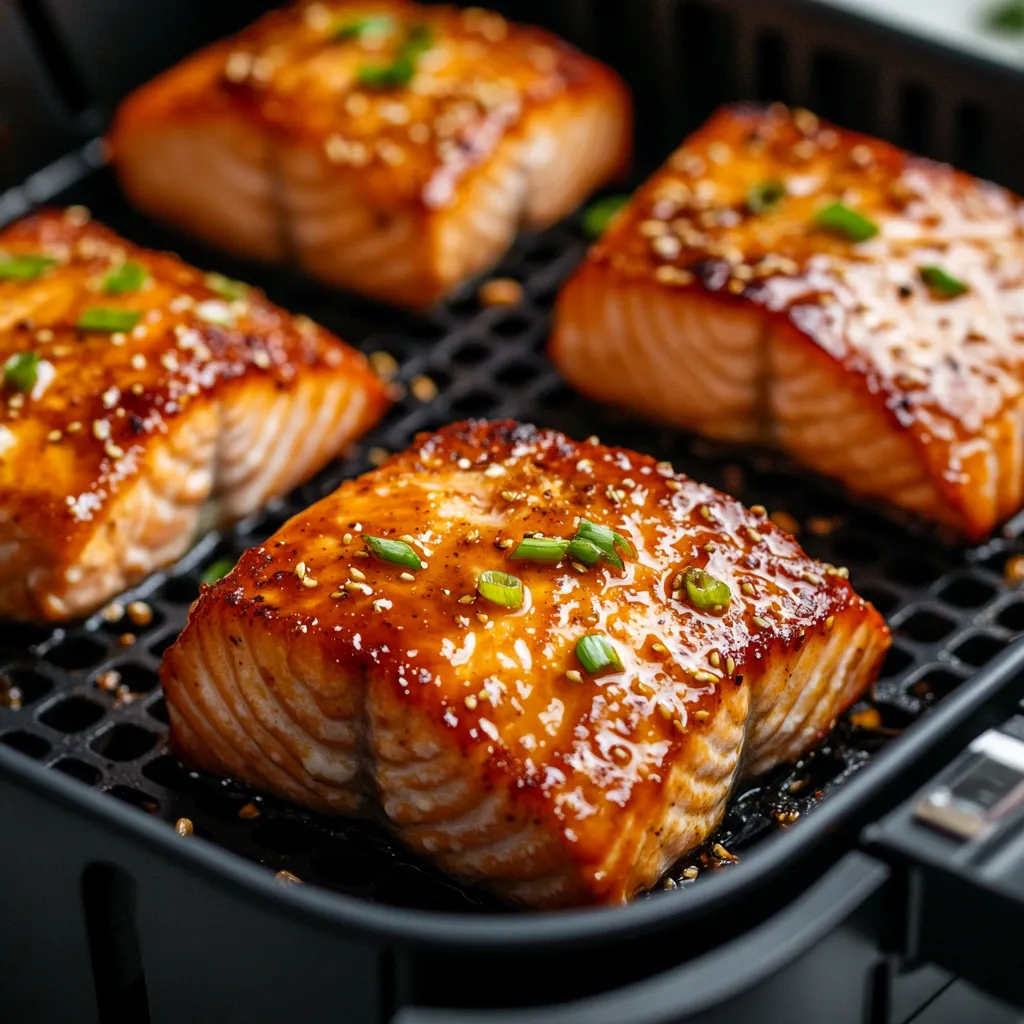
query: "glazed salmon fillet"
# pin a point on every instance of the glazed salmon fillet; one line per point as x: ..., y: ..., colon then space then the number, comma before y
x: 142, y: 402
x: 781, y: 281
x: 388, y: 148
x: 434, y: 645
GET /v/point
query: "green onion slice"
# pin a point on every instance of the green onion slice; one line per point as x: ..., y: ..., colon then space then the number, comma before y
x: 587, y: 552
x: 705, y: 591
x: 100, y: 318
x: 598, y: 215
x: 762, y: 196
x: 21, y: 372
x: 129, y: 277
x: 396, y: 551
x: 540, y: 549
x: 369, y: 24
x: 25, y: 268
x: 843, y: 220
x: 401, y: 70
x: 942, y: 283
x: 596, y: 654
x: 607, y: 540
x: 1006, y: 18
x: 217, y: 570
x: 500, y: 588
x: 225, y: 287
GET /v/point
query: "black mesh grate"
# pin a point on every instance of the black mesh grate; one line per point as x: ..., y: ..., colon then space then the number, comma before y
x: 951, y: 609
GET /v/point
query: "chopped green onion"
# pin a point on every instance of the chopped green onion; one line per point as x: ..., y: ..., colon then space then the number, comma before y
x: 500, y: 588
x: 607, y: 540
x: 24, y: 268
x: 587, y: 552
x: 217, y: 570
x: 99, y: 318
x: 401, y: 70
x: 540, y: 549
x: 1006, y: 18
x: 763, y: 195
x: 596, y: 653
x: 396, y: 551
x: 941, y: 283
x: 225, y: 287
x: 129, y: 277
x: 369, y: 24
x: 21, y: 372
x: 598, y: 215
x: 841, y: 219
x: 705, y: 591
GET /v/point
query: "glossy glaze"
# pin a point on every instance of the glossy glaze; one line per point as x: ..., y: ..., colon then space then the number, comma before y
x: 505, y: 687
x: 945, y: 373
x: 106, y: 403
x: 500, y: 123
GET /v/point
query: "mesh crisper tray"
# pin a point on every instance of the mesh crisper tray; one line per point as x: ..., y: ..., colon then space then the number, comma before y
x: 950, y: 608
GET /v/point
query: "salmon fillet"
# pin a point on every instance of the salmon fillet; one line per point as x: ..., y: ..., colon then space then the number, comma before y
x: 740, y: 295
x: 389, y: 148
x: 477, y: 730
x: 144, y: 401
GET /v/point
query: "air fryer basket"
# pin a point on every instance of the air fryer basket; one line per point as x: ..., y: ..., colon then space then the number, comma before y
x: 951, y: 608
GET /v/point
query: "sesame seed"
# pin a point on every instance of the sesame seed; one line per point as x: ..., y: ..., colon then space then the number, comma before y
x: 574, y: 676
x: 830, y: 622
x: 758, y: 510
x: 500, y: 291
x: 763, y: 623
x: 54, y: 435
x: 467, y: 599
x: 652, y: 228
x: 473, y: 536
x: 362, y: 588
x: 715, y: 658
x: 406, y: 577
x: 691, y: 872
x: 385, y: 365
x: 300, y: 570
x: 754, y: 535
x: 356, y: 574
x: 673, y: 275
x: 722, y: 853
x: 730, y: 666
x: 483, y: 617
x: 665, y: 711
x: 114, y: 451
x: 470, y: 701
x: 494, y: 470
x: 248, y: 812
x: 667, y: 247
x: 140, y: 613
x: 660, y: 648
x: 673, y: 485
x: 113, y: 612
x: 108, y: 681
x: 308, y: 581
x: 138, y: 361
x: 377, y: 456
x: 748, y: 589
x: 705, y: 677
x: 101, y: 429
x: 511, y: 496
x: 261, y: 359
x: 507, y: 543
x: 464, y: 463
x: 287, y: 878
x: 184, y: 827
x: 337, y: 594
x: 677, y: 724
x: 137, y: 388
x: 579, y: 567
x: 810, y: 577
x: 702, y: 714
x: 238, y: 66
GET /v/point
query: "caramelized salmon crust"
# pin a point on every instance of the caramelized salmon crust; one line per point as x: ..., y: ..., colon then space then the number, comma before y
x: 385, y: 147
x: 785, y: 282
x: 481, y: 732
x: 142, y: 401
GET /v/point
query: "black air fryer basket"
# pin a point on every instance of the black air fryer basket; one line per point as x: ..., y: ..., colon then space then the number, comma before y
x: 107, y: 914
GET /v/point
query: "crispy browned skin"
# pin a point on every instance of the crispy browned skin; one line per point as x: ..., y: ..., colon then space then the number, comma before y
x: 132, y: 441
x: 268, y: 145
x: 764, y: 328
x: 329, y: 677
